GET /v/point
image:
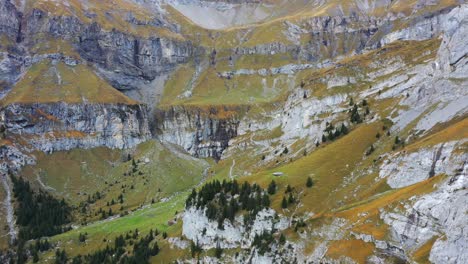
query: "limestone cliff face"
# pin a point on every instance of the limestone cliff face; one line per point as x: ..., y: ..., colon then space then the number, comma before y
x: 60, y: 126
x: 9, y: 19
x: 124, y: 58
x: 201, y: 133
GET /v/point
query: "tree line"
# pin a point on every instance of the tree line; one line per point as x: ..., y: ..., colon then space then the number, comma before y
x: 224, y: 200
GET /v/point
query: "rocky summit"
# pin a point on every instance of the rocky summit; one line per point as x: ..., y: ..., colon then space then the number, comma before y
x: 234, y: 131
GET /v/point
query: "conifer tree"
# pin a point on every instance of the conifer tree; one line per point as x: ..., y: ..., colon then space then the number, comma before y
x: 344, y: 129
x: 282, y: 239
x: 284, y: 203
x: 309, y: 182
x: 272, y: 187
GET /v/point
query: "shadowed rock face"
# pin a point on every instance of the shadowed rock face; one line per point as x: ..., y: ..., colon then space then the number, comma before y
x: 201, y: 134
x: 9, y: 19
x: 60, y: 126
x: 132, y: 57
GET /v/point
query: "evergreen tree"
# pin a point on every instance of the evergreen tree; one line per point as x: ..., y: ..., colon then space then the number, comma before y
x: 218, y: 251
x: 309, y: 182
x: 35, y: 256
x: 355, y: 117
x: 38, y: 213
x: 282, y: 239
x: 155, y: 250
x: 344, y: 129
x: 397, y: 140
x: 272, y: 187
x: 284, y: 203
x: 82, y: 238
x: 195, y: 249
x: 60, y: 257
x: 266, y: 200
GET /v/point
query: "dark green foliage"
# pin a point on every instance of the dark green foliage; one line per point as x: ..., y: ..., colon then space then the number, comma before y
x: 284, y: 203
x: 34, y: 249
x: 299, y: 224
x: 272, y: 188
x: 119, y: 242
x: 291, y: 199
x: 42, y: 245
x: 344, y: 129
x: 82, y: 237
x: 309, y: 182
x: 38, y: 214
x: 397, y: 140
x: 331, y: 133
x: 60, y: 257
x: 195, y: 249
x: 324, y: 138
x: 262, y: 242
x: 35, y: 256
x: 218, y: 251
x: 224, y: 200
x: 141, y: 251
x: 354, y: 116
x: 282, y: 239
x: 155, y: 250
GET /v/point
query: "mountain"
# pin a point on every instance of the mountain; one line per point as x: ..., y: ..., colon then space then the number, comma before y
x: 243, y: 131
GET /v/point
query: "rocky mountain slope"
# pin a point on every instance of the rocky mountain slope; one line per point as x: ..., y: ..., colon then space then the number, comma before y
x: 357, y: 110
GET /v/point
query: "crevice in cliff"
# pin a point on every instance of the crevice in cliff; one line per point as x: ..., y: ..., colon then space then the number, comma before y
x: 203, y: 132
x: 436, y: 158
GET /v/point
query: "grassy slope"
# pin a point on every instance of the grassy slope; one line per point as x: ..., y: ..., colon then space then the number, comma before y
x: 153, y: 217
x: 110, y: 14
x: 45, y: 82
x: 323, y: 199
x: 78, y: 173
x: 210, y: 89
x: 327, y: 189
x: 328, y: 173
x: 88, y: 170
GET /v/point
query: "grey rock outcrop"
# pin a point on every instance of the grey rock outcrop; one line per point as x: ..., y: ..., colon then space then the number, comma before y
x: 9, y: 19
x: 60, y: 126
x: 440, y: 215
x: 130, y: 56
x: 201, y: 133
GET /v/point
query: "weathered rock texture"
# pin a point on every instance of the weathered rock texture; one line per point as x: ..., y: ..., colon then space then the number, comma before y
x: 202, y: 133
x: 60, y: 126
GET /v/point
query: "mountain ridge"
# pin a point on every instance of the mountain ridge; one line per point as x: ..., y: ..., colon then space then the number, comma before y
x: 343, y: 124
